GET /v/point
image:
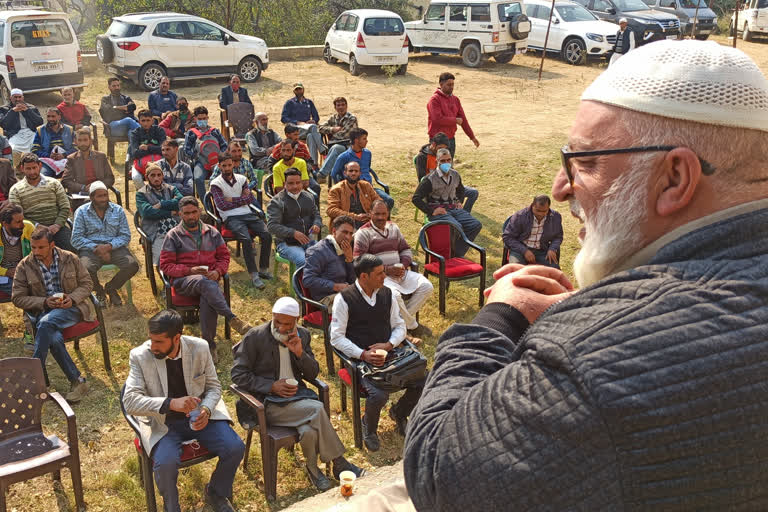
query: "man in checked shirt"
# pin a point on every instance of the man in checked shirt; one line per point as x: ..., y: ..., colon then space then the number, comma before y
x: 534, y: 234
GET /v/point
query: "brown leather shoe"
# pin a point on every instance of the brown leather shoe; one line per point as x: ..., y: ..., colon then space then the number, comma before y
x: 239, y: 325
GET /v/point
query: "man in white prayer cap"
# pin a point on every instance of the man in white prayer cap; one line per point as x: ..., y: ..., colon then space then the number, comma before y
x: 625, y: 41
x: 646, y: 389
x: 19, y: 120
x: 272, y: 363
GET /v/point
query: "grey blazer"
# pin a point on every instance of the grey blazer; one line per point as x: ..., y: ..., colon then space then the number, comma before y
x: 147, y: 386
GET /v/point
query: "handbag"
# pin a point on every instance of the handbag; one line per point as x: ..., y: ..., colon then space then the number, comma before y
x: 403, y: 365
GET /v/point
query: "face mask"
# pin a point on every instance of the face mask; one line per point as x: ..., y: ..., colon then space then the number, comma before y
x: 183, y: 107
x: 445, y: 167
x: 202, y: 124
x: 295, y: 196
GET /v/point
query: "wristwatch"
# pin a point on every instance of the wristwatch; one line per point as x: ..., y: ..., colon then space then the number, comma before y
x: 205, y: 407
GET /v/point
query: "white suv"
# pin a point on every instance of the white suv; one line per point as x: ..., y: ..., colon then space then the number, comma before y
x: 145, y: 46
x: 473, y: 29
x: 753, y: 19
x: 367, y: 37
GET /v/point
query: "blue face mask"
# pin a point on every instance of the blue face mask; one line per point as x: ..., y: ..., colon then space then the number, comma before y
x: 202, y: 123
x: 445, y: 167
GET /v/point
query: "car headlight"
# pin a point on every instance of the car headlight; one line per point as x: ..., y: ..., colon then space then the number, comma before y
x: 595, y: 37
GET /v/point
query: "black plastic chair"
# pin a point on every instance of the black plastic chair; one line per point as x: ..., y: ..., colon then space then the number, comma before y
x: 314, y: 314
x: 146, y: 244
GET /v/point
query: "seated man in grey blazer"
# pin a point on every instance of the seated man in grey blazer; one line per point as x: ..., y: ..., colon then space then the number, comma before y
x: 272, y: 363
x: 171, y: 381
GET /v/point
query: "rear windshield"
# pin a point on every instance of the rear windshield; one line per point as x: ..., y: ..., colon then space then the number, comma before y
x: 122, y: 29
x: 42, y: 32
x: 507, y: 11
x: 383, y: 27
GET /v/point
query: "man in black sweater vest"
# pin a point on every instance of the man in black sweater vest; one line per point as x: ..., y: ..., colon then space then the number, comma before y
x: 366, y: 325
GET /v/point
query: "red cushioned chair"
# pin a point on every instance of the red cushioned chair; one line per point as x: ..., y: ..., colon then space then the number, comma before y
x: 84, y: 329
x: 191, y: 454
x: 436, y: 238
x: 226, y: 233
x: 191, y: 305
x: 314, y: 314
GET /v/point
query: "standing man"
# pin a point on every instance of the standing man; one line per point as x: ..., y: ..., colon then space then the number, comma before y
x: 444, y: 113
x: 261, y: 141
x: 171, y: 378
x: 337, y: 129
x: 625, y: 41
x: 86, y: 166
x: 101, y: 235
x: 233, y: 199
x: 53, y: 288
x: 269, y: 356
x: 15, y: 243
x: 366, y: 319
x: 329, y: 263
x: 117, y: 110
x: 301, y: 111
x: 53, y: 142
x: 19, y: 121
x: 643, y: 390
x: 292, y: 218
x: 162, y: 101
x: 44, y: 201
x: 175, y: 172
x: 533, y: 235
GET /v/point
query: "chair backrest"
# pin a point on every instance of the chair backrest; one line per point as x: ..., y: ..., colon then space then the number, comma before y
x: 269, y: 187
x: 303, y: 291
x: 505, y: 249
x: 240, y: 115
x: 439, y: 239
x: 209, y: 206
x: 22, y: 393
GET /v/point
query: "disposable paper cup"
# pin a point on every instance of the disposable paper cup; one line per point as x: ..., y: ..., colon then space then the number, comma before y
x: 204, y: 267
x: 59, y: 296
x: 398, y: 265
x: 381, y: 352
x: 347, y: 480
x: 292, y: 382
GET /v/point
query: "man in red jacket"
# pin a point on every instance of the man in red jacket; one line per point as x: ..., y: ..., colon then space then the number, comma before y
x: 444, y: 112
x: 195, y: 257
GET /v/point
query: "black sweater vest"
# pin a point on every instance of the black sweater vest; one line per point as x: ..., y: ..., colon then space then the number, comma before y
x: 368, y: 325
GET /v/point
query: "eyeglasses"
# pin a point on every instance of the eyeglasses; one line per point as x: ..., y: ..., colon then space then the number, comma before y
x: 565, y: 156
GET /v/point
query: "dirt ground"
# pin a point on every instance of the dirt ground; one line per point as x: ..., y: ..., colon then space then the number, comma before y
x: 521, y: 124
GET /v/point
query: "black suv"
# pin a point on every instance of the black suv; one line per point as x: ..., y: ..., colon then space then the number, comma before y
x: 647, y: 25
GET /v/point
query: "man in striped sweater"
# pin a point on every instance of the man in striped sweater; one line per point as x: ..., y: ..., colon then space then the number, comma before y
x: 44, y: 201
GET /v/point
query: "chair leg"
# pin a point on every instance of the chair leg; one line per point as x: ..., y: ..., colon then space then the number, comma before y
x: 328, y: 353
x: 77, y: 485
x: 269, y: 466
x: 127, y: 191
x: 149, y: 484
x: 77, y: 344
x: 111, y: 152
x: 237, y: 249
x: 105, y: 347
x: 357, y: 424
x: 248, y: 440
x: 56, y: 476
x: 3, y: 490
x: 141, y: 470
x: 481, y: 298
x: 129, y: 291
x: 443, y: 289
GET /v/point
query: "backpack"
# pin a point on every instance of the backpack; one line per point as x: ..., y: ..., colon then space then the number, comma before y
x: 207, y: 147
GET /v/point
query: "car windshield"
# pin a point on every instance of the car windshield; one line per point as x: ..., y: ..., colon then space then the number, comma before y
x: 691, y: 4
x: 631, y: 5
x: 510, y: 10
x: 383, y: 27
x: 122, y: 29
x: 40, y: 32
x: 574, y: 13
x: 762, y: 4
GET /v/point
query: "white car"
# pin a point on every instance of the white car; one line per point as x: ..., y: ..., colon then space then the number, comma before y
x: 145, y: 47
x: 753, y: 19
x: 367, y: 37
x: 39, y: 52
x: 575, y: 33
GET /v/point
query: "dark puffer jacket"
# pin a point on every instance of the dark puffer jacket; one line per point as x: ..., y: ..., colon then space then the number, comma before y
x: 646, y: 391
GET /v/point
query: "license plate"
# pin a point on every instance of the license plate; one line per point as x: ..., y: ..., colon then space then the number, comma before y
x: 704, y: 31
x: 385, y: 59
x: 44, y: 68
x: 112, y: 69
x: 672, y: 37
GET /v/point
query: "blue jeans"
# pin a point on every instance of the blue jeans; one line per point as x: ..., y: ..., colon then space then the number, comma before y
x: 314, y: 140
x: 330, y: 159
x: 199, y: 174
x: 218, y: 437
x: 386, y: 198
x: 465, y: 222
x: 123, y: 127
x: 540, y: 254
x: 49, y: 326
x: 294, y: 253
x: 470, y: 195
x: 7, y: 287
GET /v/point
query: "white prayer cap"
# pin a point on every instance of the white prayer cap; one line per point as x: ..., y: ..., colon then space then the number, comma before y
x: 17, y: 92
x: 622, y: 20
x: 690, y: 80
x: 287, y: 306
x: 96, y: 185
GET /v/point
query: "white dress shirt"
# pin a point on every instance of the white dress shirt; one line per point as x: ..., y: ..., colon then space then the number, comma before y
x: 340, y: 315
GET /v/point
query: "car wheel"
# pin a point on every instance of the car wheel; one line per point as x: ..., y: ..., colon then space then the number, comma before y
x: 574, y: 52
x: 354, y: 67
x: 503, y: 57
x: 746, y: 34
x: 104, y: 50
x: 249, y: 69
x: 403, y: 69
x: 150, y: 75
x: 327, y: 57
x: 5, y: 93
x: 471, y: 56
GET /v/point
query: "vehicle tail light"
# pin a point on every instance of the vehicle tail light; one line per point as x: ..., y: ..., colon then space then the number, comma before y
x: 130, y: 46
x: 79, y: 59
x: 360, y: 40
x: 495, y: 37
x: 405, y: 42
x: 11, y: 65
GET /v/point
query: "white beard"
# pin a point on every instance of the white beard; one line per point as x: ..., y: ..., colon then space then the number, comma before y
x: 613, y: 232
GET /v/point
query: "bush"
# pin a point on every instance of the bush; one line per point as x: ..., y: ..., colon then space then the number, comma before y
x: 88, y: 39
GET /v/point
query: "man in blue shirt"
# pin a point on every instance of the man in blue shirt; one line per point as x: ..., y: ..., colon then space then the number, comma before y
x: 162, y: 100
x: 54, y: 141
x: 301, y: 111
x: 101, y: 235
x: 357, y: 152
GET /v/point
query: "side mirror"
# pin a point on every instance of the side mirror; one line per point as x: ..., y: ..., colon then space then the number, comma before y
x: 611, y: 10
x: 555, y: 21
x: 226, y: 39
x: 424, y: 20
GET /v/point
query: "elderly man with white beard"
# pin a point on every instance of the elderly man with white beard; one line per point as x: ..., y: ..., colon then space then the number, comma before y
x: 645, y: 389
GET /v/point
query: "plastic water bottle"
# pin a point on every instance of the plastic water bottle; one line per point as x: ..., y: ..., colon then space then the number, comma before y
x: 193, y: 415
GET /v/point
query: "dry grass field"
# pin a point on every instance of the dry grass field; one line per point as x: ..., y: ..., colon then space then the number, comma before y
x: 521, y: 124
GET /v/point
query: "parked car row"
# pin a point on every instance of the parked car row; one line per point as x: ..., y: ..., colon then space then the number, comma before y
x: 753, y: 19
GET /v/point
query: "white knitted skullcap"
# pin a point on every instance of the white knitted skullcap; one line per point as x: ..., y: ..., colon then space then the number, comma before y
x: 286, y: 306
x: 16, y: 92
x: 690, y: 80
x: 96, y: 185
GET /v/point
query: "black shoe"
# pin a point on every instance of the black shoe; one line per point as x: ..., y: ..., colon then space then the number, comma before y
x: 114, y: 298
x: 420, y: 330
x: 345, y: 465
x: 400, y: 423
x: 370, y: 439
x: 320, y: 481
x: 218, y: 503
x: 102, y: 299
